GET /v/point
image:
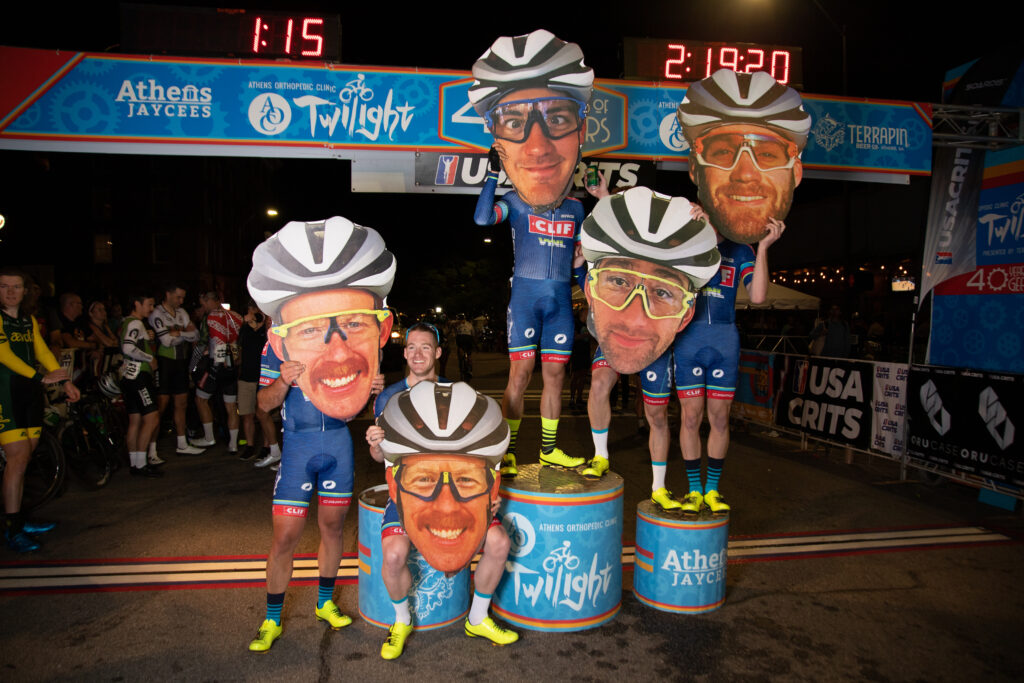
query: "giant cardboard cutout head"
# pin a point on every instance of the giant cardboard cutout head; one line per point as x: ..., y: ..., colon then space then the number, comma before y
x: 323, y: 283
x: 533, y: 91
x: 444, y: 441
x: 746, y: 132
x: 648, y: 255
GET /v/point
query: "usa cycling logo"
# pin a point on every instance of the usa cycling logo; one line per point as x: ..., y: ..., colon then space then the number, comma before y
x: 828, y: 133
x: 994, y: 416
x: 269, y: 113
x: 932, y: 404
x: 447, y: 165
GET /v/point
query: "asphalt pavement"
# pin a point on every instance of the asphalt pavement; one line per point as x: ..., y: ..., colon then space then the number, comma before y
x: 837, y: 571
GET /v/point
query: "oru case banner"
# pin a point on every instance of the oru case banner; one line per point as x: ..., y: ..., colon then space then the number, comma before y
x: 966, y: 422
x: 828, y: 398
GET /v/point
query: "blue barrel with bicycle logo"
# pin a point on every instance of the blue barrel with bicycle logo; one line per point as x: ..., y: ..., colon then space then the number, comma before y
x: 564, y: 570
x: 435, y: 600
x: 680, y: 560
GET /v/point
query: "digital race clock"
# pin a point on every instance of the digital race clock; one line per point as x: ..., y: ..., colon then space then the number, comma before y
x: 686, y: 61
x: 155, y: 29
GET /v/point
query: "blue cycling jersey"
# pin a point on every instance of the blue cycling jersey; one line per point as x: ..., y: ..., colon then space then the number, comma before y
x: 716, y: 301
x: 298, y: 414
x: 543, y: 244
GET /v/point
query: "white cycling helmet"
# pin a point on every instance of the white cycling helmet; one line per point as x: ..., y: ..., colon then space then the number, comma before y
x: 727, y: 98
x: 313, y: 256
x: 534, y: 60
x: 642, y: 224
x: 450, y: 419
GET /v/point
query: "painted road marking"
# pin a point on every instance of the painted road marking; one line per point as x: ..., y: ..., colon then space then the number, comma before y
x: 246, y: 572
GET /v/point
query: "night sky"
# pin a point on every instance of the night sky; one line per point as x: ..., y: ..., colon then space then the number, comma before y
x: 899, y: 53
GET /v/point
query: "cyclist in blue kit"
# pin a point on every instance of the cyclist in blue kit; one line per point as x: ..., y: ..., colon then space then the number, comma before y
x: 324, y: 284
x: 746, y: 132
x: 533, y: 91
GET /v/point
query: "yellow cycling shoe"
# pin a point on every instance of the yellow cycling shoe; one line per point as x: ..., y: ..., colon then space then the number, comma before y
x: 268, y: 633
x: 332, y: 615
x: 596, y: 468
x: 715, y: 501
x: 492, y: 632
x: 692, y: 502
x: 393, y: 646
x: 663, y: 498
x: 558, y: 458
x: 508, y: 465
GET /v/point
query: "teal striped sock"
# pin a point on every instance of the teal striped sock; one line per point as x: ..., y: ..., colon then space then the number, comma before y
x: 326, y: 590
x: 714, y: 472
x: 275, y: 602
x: 693, y: 474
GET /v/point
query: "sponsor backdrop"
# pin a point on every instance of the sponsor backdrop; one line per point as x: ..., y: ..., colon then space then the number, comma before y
x: 755, y: 388
x: 974, y: 247
x: 889, y: 407
x: 965, y: 422
x: 827, y: 398
x: 300, y: 109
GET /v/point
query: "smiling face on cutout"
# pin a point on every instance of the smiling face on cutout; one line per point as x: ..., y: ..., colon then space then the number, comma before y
x: 446, y: 531
x: 338, y: 371
x: 740, y: 201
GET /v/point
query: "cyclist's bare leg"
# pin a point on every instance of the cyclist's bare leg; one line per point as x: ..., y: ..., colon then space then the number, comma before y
x: 249, y: 429
x: 202, y: 407
x: 232, y: 411
x: 689, y: 429
x: 599, y: 408
x: 394, y: 568
x: 492, y: 562
x: 148, y: 428
x: 519, y: 374
x: 658, y: 441
x: 18, y: 454
x: 331, y: 519
x: 718, y: 419
x: 287, y: 532
x: 131, y: 437
x: 553, y: 375
x: 268, y: 427
x: 179, y: 413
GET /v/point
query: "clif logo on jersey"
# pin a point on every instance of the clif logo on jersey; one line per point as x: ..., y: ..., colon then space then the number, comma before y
x: 943, y: 258
x: 542, y: 226
x: 447, y: 165
x: 728, y: 274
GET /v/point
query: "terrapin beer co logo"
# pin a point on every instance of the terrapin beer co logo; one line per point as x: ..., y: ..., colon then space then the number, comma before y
x: 150, y: 98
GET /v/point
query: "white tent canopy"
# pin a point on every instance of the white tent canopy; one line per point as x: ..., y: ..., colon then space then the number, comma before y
x: 779, y: 298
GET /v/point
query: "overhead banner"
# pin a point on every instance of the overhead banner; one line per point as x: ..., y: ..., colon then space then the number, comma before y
x: 301, y: 109
x: 973, y: 259
x: 966, y: 422
x: 828, y: 399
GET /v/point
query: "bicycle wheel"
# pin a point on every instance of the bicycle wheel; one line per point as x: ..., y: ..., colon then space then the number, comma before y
x: 87, y: 457
x: 44, y: 476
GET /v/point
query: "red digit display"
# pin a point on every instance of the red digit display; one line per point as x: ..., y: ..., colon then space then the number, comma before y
x: 755, y: 66
x: 780, y: 66
x: 316, y: 37
x: 729, y: 57
x: 687, y: 61
x: 680, y: 73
